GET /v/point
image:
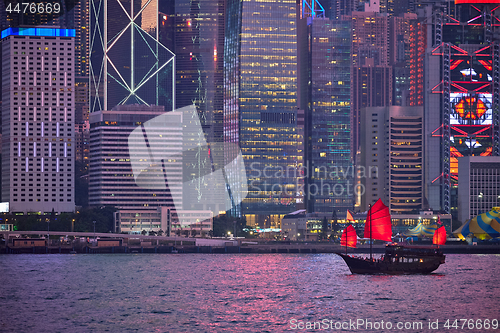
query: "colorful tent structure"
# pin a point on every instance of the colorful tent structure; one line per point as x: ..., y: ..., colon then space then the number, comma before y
x: 484, y: 226
x: 422, y: 230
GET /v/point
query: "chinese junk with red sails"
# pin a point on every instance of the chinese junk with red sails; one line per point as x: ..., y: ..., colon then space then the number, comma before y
x: 398, y: 259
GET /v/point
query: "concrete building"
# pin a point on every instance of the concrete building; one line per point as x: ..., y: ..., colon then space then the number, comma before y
x: 38, y: 151
x: 293, y: 225
x: 111, y: 178
x: 392, y: 155
x: 479, y: 184
x: 170, y: 222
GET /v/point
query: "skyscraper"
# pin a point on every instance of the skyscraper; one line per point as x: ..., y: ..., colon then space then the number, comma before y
x: 111, y: 180
x: 197, y: 39
x: 38, y: 119
x: 260, y: 101
x: 463, y: 83
x: 128, y: 64
x: 330, y: 177
x: 392, y: 152
x: 371, y: 73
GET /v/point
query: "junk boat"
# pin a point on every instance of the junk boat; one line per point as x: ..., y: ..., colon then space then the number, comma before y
x: 398, y: 259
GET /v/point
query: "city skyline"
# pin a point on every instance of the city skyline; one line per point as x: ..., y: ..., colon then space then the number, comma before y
x: 288, y: 83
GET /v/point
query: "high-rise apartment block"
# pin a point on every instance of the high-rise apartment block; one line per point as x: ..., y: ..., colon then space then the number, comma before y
x: 38, y: 150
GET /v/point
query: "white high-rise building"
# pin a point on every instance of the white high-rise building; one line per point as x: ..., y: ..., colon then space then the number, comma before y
x: 38, y: 152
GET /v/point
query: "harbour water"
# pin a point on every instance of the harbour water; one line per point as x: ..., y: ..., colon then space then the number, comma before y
x: 240, y: 293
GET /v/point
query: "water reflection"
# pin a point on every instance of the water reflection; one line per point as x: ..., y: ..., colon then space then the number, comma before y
x: 238, y: 293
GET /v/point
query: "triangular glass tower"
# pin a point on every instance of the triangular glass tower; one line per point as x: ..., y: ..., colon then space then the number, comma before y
x: 128, y: 63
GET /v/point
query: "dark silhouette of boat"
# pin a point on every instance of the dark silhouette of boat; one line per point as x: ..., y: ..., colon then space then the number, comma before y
x: 398, y: 259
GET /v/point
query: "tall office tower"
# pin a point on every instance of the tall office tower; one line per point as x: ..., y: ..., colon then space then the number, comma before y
x: 260, y: 102
x: 128, y: 63
x: 370, y: 59
x: 392, y: 153
x: 371, y: 86
x: 463, y: 83
x: 331, y: 175
x: 406, y: 56
x: 38, y: 119
x: 111, y: 180
x: 81, y: 22
x: 198, y: 43
x: 82, y: 127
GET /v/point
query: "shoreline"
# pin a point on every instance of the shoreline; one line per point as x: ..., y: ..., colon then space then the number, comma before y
x: 269, y: 248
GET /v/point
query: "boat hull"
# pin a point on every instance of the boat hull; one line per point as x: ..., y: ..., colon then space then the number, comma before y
x: 365, y: 266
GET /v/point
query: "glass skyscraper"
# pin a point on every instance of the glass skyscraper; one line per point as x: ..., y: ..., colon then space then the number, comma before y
x: 328, y: 152
x: 260, y: 103
x: 128, y: 64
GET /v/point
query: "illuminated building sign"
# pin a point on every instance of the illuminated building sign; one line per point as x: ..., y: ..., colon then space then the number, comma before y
x: 39, y: 32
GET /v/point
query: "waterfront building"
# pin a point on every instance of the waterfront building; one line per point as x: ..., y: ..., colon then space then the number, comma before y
x: 153, y: 219
x: 293, y: 225
x: 260, y: 102
x: 392, y: 156
x: 479, y: 183
x: 38, y: 151
x: 111, y: 178
x: 403, y: 222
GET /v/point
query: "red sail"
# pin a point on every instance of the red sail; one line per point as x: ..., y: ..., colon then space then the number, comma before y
x: 378, y: 222
x: 349, y: 236
x: 439, y: 236
x: 349, y: 216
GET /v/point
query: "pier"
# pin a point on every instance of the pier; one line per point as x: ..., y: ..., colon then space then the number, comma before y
x: 35, y: 242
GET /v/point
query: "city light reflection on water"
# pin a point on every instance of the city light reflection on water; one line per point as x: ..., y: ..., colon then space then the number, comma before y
x: 235, y: 293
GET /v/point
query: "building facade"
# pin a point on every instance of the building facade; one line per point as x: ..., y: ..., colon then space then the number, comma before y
x: 38, y: 150
x: 111, y: 177
x: 328, y: 151
x: 463, y: 83
x: 392, y: 156
x: 165, y: 221
x: 479, y: 183
x: 260, y: 101
x: 128, y: 63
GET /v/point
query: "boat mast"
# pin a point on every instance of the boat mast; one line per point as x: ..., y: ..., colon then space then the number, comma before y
x: 346, y: 237
x: 369, y: 213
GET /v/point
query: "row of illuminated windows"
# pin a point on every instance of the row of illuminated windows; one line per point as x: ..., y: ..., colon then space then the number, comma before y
x: 37, y: 200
